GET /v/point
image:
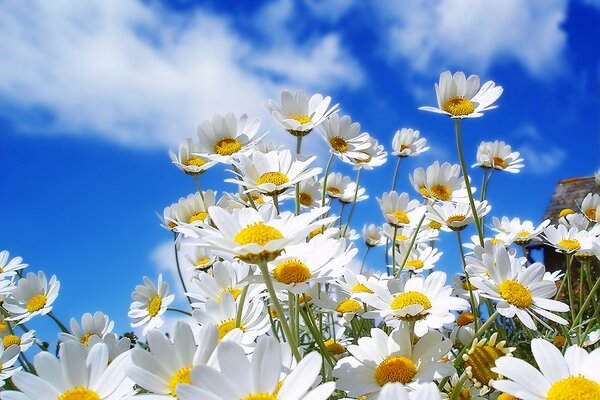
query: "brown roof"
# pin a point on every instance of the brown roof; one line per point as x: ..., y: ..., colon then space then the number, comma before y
x: 569, y: 193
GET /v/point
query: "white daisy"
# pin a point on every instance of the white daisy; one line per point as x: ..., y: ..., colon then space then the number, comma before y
x: 310, y: 193
x: 420, y: 258
x: 201, y: 259
x: 406, y: 143
x: 405, y: 234
x: 337, y: 184
x: 115, y: 345
x: 299, y: 115
x: 461, y: 97
x: 33, y: 295
x: 98, y: 325
x: 190, y: 163
x: 372, y: 156
x: 226, y: 277
x: 481, y: 358
x: 399, y: 210
x: 440, y: 182
x: 351, y: 194
x: 572, y: 376
x: 498, y: 155
x: 521, y: 232
x: 24, y: 342
x: 372, y: 235
x: 149, y: 304
x: 396, y: 391
x: 9, y: 267
x: 457, y: 216
x: 8, y: 357
x: 589, y: 205
x: 344, y: 138
x: 190, y: 210
x: 567, y: 240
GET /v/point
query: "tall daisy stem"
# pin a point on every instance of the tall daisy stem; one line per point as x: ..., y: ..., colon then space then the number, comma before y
x: 240, y: 308
x: 396, y: 173
x: 197, y: 180
x: 353, y: 202
x: 179, y: 310
x: 463, y: 166
x: 264, y: 270
x: 179, y: 267
x: 58, y: 323
x: 410, y: 246
x: 325, y: 180
x: 362, y: 264
x: 474, y: 308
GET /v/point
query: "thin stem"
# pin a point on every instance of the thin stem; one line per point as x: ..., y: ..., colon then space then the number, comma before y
x: 478, y: 333
x: 276, y: 202
x: 57, y: 321
x: 179, y: 267
x: 394, y: 249
x: 362, y: 264
x: 179, y: 310
x: 410, y: 246
x: 456, y: 390
x: 353, y: 202
x: 298, y: 143
x: 297, y: 186
x: 570, y: 287
x: 474, y: 307
x: 325, y: 180
x: 396, y: 173
x: 238, y: 316
x: 197, y: 180
x: 587, y: 301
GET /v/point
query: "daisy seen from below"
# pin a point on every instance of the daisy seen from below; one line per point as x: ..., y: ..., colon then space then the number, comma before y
x: 187, y: 161
x: 399, y: 210
x: 407, y: 143
x: 456, y: 216
x: 115, y: 345
x: 372, y: 235
x: 33, y: 295
x: 310, y: 193
x: 421, y: 257
x: 567, y: 240
x: 10, y: 266
x: 336, y: 185
x: 149, y: 304
x: 299, y: 115
x: 372, y: 156
x: 589, y: 205
x: 344, y: 138
x: 440, y: 182
x: 226, y: 136
x: 380, y: 359
x: 498, y: 155
x: 80, y: 373
x: 190, y: 210
x: 98, y: 325
x: 225, y: 277
x: 238, y: 378
x: 24, y: 342
x: 8, y: 357
x: 574, y: 375
x: 460, y: 97
x: 522, y: 232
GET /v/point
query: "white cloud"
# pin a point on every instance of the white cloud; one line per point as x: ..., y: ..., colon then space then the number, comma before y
x: 146, y: 76
x: 433, y: 35
x: 540, y: 156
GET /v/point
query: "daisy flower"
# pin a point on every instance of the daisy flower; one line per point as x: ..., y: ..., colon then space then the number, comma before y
x: 168, y: 363
x: 481, y: 357
x: 91, y: 325
x: 24, y: 342
x: 115, y: 345
x: 399, y: 210
x: 456, y: 216
x: 352, y: 284
x: 440, y: 182
x: 201, y: 259
x: 589, y: 205
x: 226, y: 277
x: 149, y: 304
x: 404, y: 235
x: 381, y: 359
x: 498, y: 155
x: 519, y: 291
x: 187, y: 160
x: 225, y: 136
x: 467, y: 390
x: 461, y: 97
x: 274, y: 172
x: 425, y: 300
x: 344, y: 138
x: 310, y: 193
x: 255, y: 236
x: 567, y: 240
x: 8, y: 357
x: 396, y: 391
x: 523, y: 232
x: 349, y: 194
x: 259, y: 378
x: 9, y: 267
x: 78, y: 373
x: 372, y: 235
x: 406, y: 143
x: 190, y: 210
x: 572, y: 376
x: 464, y: 330
x: 33, y: 295
x: 421, y: 257
x: 337, y: 184
x: 372, y: 156
x: 297, y: 114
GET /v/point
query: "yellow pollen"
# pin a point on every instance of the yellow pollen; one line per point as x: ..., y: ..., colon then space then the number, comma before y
x: 506, y: 396
x: 333, y: 191
x: 481, y: 360
x: 565, y: 211
x: 302, y: 119
x: 199, y: 216
x: 395, y: 369
x: 401, y: 238
x: 570, y: 244
x: 202, y: 261
x: 404, y: 147
x: 305, y: 199
x: 523, y: 234
x: 278, y: 388
x: 227, y: 146
x: 154, y: 306
x: 574, y: 387
x: 410, y: 299
x: 464, y: 394
x: 181, y: 376
x: 339, y: 143
x: 36, y: 303
x: 466, y: 286
x: 260, y: 396
x: 360, y: 288
x: 194, y: 161
x: 515, y: 293
x: 465, y: 318
x: 85, y: 339
x: 3, y: 326
x: 79, y: 393
x: 401, y: 217
x: 456, y: 218
x: 590, y: 213
x: 559, y: 341
x: 276, y: 178
x: 499, y: 162
x: 257, y: 233
x: 435, y: 225
x: 347, y: 306
x: 304, y: 297
x: 10, y: 340
x: 440, y: 192
x: 227, y: 326
x: 316, y: 232
x: 424, y: 192
x: 291, y: 271
x: 415, y: 264
x: 458, y: 106
x: 273, y: 313
x: 365, y: 160
x: 235, y: 292
x: 334, y: 347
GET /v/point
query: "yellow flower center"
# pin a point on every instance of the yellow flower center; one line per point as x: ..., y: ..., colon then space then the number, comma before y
x: 181, y: 376
x: 305, y: 199
x: 404, y: 147
x: 401, y: 217
x: 424, y: 192
x: 303, y: 119
x: 224, y: 327
x: 499, y: 162
x: 416, y: 264
x: 506, y: 396
x: 395, y: 369
x: 466, y: 286
x: 276, y: 178
x: 360, y: 288
x: 85, y: 339
x: 410, y: 299
x: 333, y: 191
x: 440, y: 192
x: 574, y: 387
x: 456, y: 218
x: 3, y: 326
x: 559, y: 341
x: 235, y: 292
x: 316, y: 232
x: 570, y: 244
x: 565, y: 211
x: 464, y: 394
x: 363, y: 160
x: 515, y: 293
x: 348, y: 306
x: 194, y: 161
x: 227, y: 146
x: 590, y: 213
x: 334, y: 347
x: 258, y: 233
x: 260, y: 396
x: 79, y: 393
x: 339, y: 144
x: 36, y: 303
x: 481, y: 360
x: 9, y: 340
x: 199, y: 216
x: 401, y: 238
x: 291, y: 271
x: 434, y: 225
x: 202, y: 261
x: 154, y: 306
x: 465, y: 318
x: 523, y: 234
x: 458, y: 106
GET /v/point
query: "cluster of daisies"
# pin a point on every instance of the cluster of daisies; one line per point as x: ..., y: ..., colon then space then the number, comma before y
x: 281, y: 306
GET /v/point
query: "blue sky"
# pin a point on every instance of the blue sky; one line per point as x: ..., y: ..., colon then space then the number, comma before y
x: 92, y: 94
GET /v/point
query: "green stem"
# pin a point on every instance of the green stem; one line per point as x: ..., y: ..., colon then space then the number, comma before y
x: 197, y: 180
x: 474, y: 308
x: 396, y: 173
x: 353, y: 202
x: 362, y: 264
x: 179, y: 310
x: 457, y: 388
x: 240, y: 309
x: 570, y: 287
x: 276, y: 202
x: 394, y: 250
x: 587, y: 301
x: 410, y: 246
x: 57, y: 321
x: 179, y: 267
x: 325, y: 180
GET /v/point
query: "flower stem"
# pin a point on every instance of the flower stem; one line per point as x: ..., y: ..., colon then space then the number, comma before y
x: 179, y: 310
x: 353, y: 202
x: 179, y: 267
x: 57, y: 321
x: 197, y: 180
x: 240, y: 309
x: 325, y: 180
x: 474, y: 307
x: 396, y: 173
x: 362, y: 264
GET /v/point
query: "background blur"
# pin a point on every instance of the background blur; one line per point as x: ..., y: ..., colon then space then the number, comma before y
x: 94, y: 93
